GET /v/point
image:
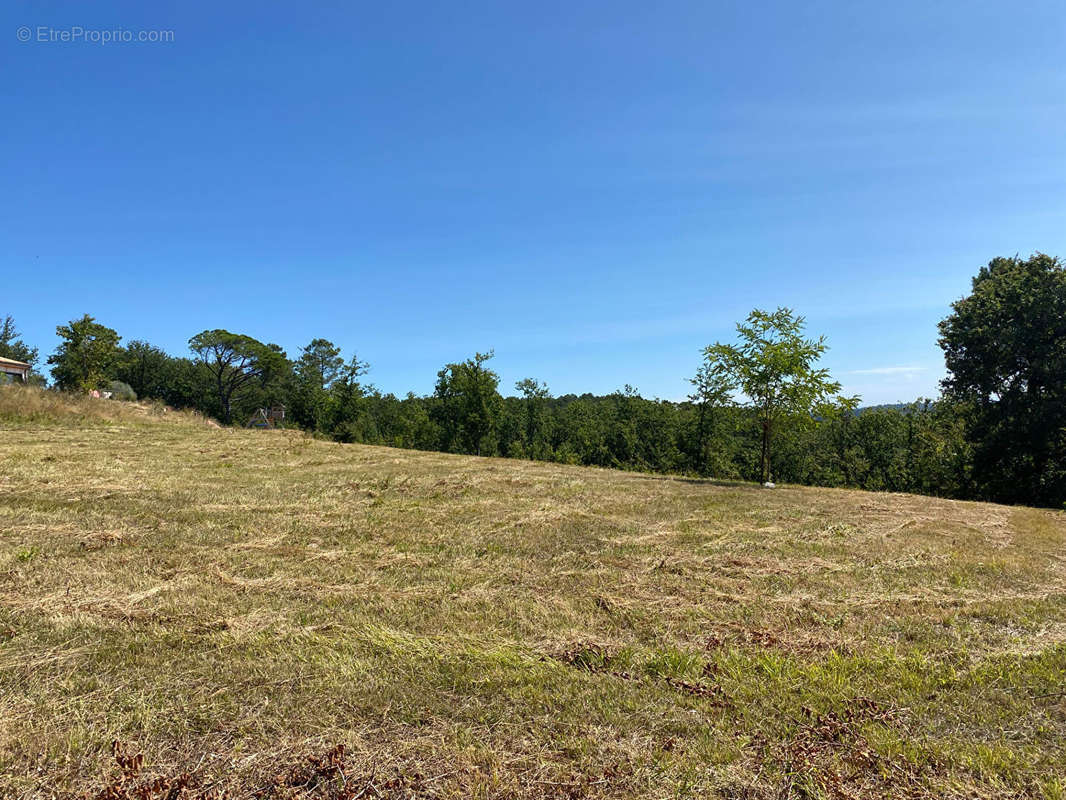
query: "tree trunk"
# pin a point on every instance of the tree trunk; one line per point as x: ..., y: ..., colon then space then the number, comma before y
x: 766, y: 451
x: 701, y: 439
x: 223, y: 399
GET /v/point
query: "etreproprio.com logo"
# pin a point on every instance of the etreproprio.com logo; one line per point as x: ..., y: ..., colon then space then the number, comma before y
x: 46, y: 34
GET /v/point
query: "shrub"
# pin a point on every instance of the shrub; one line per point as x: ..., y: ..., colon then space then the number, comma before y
x: 121, y: 391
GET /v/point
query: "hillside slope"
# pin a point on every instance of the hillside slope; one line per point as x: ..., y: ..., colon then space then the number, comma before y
x: 226, y: 602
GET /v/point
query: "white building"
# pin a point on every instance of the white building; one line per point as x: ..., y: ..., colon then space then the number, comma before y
x: 12, y: 371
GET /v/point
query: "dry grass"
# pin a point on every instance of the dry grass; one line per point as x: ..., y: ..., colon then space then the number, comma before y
x: 26, y: 406
x: 227, y: 602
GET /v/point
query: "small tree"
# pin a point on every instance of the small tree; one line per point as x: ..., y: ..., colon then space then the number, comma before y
x: 120, y: 390
x: 85, y: 355
x: 774, y: 368
x: 234, y: 362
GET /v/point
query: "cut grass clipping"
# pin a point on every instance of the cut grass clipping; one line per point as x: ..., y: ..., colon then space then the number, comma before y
x: 187, y: 611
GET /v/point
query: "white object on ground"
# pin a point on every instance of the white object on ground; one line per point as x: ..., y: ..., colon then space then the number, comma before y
x: 768, y: 485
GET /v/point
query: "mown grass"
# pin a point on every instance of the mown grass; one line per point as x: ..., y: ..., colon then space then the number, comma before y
x: 227, y: 601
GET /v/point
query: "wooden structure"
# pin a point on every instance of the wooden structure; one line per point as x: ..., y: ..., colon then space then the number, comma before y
x: 12, y: 371
x: 267, y: 417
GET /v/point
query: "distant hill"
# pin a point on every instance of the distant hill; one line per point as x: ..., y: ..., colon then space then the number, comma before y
x: 902, y: 407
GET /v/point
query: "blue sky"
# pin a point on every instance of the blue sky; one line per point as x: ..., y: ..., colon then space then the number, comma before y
x: 596, y: 190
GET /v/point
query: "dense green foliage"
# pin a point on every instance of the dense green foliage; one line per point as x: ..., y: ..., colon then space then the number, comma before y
x: 240, y: 367
x: 999, y: 431
x: 1005, y: 348
x: 86, y: 355
x: 468, y: 407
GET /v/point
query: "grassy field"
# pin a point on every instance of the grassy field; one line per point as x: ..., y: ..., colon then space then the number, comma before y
x: 283, y: 617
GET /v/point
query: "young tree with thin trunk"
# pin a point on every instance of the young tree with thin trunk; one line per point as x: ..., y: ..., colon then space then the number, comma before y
x: 775, y: 368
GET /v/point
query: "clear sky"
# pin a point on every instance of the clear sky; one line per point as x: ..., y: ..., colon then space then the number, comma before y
x: 595, y: 189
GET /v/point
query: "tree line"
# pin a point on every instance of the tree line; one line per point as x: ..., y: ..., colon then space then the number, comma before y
x: 760, y: 408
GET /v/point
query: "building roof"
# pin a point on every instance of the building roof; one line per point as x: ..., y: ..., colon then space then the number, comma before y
x: 10, y: 362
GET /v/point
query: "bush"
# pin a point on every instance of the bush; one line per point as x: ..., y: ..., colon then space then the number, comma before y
x: 121, y: 391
